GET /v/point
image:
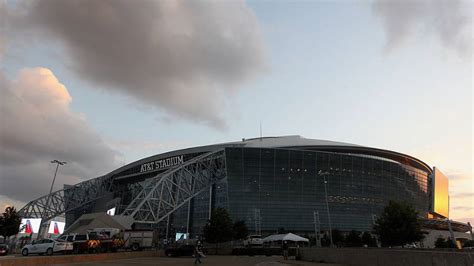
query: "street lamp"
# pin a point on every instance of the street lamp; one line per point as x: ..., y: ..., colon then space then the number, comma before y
x: 374, y: 221
x: 321, y: 173
x: 58, y: 163
x: 317, y: 228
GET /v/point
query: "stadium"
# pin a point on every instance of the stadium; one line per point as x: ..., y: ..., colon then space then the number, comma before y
x: 285, y: 182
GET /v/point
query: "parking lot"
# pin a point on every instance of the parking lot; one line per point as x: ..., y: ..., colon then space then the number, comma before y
x: 209, y: 260
x: 148, y: 260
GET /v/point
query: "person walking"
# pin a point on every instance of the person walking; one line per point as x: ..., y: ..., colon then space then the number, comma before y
x: 198, y: 253
x: 285, y: 250
x: 297, y: 256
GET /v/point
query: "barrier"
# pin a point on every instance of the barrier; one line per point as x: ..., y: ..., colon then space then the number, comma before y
x: 387, y: 257
x: 66, y: 259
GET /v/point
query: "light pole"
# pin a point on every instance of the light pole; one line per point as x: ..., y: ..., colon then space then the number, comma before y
x: 316, y: 228
x: 58, y: 163
x: 374, y: 221
x: 321, y: 173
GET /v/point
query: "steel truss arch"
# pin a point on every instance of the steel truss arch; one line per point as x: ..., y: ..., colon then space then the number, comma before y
x: 166, y: 192
x: 70, y: 198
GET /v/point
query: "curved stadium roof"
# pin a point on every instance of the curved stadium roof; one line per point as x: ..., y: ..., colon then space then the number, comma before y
x: 293, y: 142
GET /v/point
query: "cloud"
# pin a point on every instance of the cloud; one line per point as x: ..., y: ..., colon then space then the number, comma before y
x: 184, y: 57
x: 458, y: 180
x: 462, y: 195
x: 37, y: 126
x: 450, y: 22
x: 457, y: 176
x: 7, y: 202
x: 464, y: 208
x: 132, y: 150
x: 466, y: 220
x: 3, y: 25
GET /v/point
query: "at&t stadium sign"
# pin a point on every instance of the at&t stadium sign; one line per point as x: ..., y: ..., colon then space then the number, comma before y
x: 160, y: 164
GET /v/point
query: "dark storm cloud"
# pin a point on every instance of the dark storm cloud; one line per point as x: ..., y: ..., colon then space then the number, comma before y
x: 450, y: 21
x: 37, y: 126
x: 184, y: 57
x: 3, y: 26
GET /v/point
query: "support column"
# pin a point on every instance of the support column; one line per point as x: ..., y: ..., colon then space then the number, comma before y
x: 210, y: 202
x: 187, y: 221
x: 167, y: 227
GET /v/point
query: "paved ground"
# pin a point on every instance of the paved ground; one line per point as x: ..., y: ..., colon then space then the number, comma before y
x: 210, y: 260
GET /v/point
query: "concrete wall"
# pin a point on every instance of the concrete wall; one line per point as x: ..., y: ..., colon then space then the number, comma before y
x: 66, y: 259
x: 387, y: 257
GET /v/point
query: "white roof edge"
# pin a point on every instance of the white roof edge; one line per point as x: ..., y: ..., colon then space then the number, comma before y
x: 290, y: 141
x: 259, y: 142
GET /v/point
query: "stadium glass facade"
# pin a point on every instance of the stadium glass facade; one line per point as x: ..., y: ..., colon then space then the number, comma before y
x: 286, y: 186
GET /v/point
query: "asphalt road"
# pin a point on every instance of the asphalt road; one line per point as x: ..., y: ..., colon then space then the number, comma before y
x: 210, y: 260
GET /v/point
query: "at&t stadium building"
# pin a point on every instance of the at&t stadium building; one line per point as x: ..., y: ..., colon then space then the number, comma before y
x: 285, y: 182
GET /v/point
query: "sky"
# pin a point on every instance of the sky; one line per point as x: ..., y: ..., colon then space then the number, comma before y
x: 100, y: 84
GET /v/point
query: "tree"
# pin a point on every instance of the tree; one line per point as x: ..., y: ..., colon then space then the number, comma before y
x: 398, y: 225
x: 444, y: 243
x: 281, y: 230
x: 440, y: 243
x: 337, y: 238
x: 325, y: 241
x: 219, y: 227
x: 353, y: 239
x: 469, y: 243
x: 368, y: 239
x: 450, y: 244
x: 240, y: 230
x: 9, y: 222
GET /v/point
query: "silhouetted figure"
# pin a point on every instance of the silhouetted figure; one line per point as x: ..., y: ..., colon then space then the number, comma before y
x: 198, y: 253
x: 285, y: 250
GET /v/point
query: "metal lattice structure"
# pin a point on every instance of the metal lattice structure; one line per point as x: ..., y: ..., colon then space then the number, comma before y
x: 166, y: 192
x: 64, y: 200
x: 153, y: 201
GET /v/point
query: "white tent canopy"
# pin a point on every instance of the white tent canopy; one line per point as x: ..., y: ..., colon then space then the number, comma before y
x: 285, y: 237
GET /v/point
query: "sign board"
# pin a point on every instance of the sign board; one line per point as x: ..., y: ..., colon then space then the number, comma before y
x: 181, y: 236
x: 56, y: 227
x: 161, y: 164
x: 30, y: 225
x: 111, y: 212
x: 440, y: 193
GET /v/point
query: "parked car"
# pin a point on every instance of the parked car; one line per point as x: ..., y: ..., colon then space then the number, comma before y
x: 47, y: 246
x: 4, y: 249
x: 184, y: 250
x: 253, y: 240
x: 410, y: 245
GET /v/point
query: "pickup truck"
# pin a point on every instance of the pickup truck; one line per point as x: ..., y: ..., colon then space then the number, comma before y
x: 83, y: 242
